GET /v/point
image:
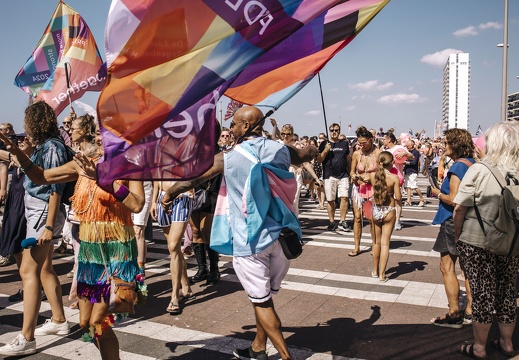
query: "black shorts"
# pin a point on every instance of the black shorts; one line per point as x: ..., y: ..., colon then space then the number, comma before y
x: 445, y: 240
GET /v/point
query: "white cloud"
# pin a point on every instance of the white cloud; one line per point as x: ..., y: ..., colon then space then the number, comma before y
x: 313, y: 112
x: 468, y: 31
x: 349, y: 108
x: 490, y: 25
x: 401, y: 98
x: 439, y: 58
x: 370, y: 85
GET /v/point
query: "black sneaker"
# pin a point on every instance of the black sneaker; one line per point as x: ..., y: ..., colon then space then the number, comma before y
x: 331, y: 226
x: 16, y: 297
x: 248, y: 353
x: 345, y: 226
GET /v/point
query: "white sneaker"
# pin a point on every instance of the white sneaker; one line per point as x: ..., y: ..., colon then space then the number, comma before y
x: 51, y: 328
x: 18, y: 347
x: 398, y: 226
x: 4, y: 260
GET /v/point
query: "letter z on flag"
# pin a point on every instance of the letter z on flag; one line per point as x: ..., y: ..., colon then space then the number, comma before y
x: 67, y: 38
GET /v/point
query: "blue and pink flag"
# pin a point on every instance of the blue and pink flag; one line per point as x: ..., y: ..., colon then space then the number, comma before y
x: 67, y: 39
x: 170, y: 61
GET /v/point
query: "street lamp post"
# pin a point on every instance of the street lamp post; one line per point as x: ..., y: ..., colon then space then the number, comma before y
x: 504, y: 88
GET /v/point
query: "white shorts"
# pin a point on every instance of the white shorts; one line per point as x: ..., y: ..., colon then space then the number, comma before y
x: 141, y: 218
x: 410, y: 181
x: 334, y: 187
x: 36, y: 212
x: 261, y: 274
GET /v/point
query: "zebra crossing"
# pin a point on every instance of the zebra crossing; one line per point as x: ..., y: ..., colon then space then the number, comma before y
x: 324, y: 273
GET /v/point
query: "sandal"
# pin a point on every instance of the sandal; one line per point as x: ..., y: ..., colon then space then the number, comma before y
x: 407, y: 203
x: 186, y: 298
x: 354, y: 253
x: 61, y: 249
x: 496, y: 344
x: 384, y: 280
x: 173, y: 309
x: 373, y: 275
x: 448, y: 321
x: 462, y: 349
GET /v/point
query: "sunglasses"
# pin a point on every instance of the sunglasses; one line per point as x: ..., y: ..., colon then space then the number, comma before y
x: 67, y: 122
x: 335, y: 130
x: 286, y: 134
x: 224, y: 136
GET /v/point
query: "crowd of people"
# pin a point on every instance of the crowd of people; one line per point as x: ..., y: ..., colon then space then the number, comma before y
x: 371, y: 174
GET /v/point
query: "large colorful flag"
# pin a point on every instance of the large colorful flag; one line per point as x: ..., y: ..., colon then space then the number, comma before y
x: 165, y: 60
x: 277, y: 76
x: 67, y: 39
x: 167, y: 57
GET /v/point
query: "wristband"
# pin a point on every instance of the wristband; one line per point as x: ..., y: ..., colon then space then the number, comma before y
x: 122, y: 193
x: 50, y: 228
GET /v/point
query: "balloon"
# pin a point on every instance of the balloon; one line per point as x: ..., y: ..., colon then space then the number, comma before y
x: 403, y: 159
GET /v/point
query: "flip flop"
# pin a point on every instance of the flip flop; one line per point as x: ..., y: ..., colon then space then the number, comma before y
x: 353, y: 253
x: 497, y: 345
x: 384, y: 280
x: 185, y: 298
x: 173, y: 309
x: 373, y: 275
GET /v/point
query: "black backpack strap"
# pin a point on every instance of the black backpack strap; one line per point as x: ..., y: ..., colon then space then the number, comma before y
x: 478, y: 215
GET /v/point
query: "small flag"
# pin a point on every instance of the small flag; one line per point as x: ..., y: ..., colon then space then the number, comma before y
x: 410, y: 131
x: 231, y: 109
x: 67, y: 39
x: 479, y: 131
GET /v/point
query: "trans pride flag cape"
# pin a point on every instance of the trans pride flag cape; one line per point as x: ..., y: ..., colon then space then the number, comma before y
x: 277, y: 76
x: 67, y: 38
x: 170, y: 61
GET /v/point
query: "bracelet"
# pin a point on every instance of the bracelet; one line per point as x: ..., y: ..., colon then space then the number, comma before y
x: 50, y: 228
x: 122, y: 193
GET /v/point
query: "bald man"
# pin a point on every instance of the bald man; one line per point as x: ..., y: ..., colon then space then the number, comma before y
x: 259, y: 262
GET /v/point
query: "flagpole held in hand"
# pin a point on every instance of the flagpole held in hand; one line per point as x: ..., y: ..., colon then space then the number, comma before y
x: 67, y: 70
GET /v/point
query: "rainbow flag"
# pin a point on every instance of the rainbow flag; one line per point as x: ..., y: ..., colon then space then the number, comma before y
x: 67, y: 39
x: 170, y: 61
x: 277, y: 76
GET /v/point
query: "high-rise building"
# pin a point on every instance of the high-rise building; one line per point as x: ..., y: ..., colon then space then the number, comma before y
x: 513, y: 107
x: 456, y: 92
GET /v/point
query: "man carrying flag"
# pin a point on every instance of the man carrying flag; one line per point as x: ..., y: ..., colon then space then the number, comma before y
x: 66, y: 42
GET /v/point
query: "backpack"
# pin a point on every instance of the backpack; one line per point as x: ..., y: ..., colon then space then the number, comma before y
x: 70, y: 186
x: 502, y: 235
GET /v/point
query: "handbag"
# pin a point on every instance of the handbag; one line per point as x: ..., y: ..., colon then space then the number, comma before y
x: 290, y: 243
x: 202, y: 199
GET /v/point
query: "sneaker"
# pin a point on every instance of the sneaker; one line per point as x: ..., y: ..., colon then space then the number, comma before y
x: 18, y: 347
x: 345, y: 226
x: 331, y: 226
x: 149, y: 242
x: 16, y: 297
x: 248, y: 353
x: 4, y: 260
x: 421, y: 203
x: 51, y: 328
x: 398, y: 226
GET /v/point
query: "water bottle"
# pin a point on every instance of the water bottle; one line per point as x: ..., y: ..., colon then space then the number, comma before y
x: 29, y: 243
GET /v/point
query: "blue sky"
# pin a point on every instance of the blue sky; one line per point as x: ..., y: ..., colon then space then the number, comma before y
x: 389, y: 76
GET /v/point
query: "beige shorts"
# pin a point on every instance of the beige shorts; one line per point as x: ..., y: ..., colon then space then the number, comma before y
x: 261, y: 274
x: 334, y: 188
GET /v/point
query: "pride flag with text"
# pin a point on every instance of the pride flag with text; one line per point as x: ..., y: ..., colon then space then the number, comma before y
x: 67, y: 39
x: 170, y: 61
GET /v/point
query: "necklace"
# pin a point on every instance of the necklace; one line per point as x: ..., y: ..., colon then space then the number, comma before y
x: 90, y: 195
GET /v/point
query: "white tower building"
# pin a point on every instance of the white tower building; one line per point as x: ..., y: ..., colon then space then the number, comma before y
x: 456, y: 92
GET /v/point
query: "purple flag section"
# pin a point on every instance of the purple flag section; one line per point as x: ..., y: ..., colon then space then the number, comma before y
x: 172, y: 151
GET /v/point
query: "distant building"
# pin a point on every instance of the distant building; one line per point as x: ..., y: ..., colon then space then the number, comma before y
x: 513, y: 107
x: 456, y: 92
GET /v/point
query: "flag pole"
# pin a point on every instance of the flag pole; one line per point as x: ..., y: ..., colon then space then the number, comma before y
x: 67, y: 70
x: 322, y: 102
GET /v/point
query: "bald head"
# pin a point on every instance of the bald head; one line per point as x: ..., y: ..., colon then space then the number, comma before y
x: 251, y: 114
x: 245, y: 118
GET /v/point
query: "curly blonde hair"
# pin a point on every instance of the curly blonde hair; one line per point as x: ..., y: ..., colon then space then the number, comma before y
x: 40, y: 122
